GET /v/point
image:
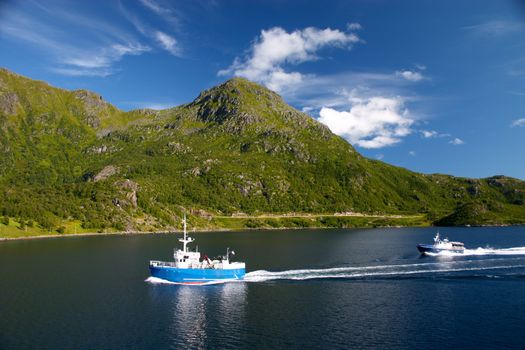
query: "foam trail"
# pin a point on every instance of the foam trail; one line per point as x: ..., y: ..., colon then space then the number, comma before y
x: 483, y: 251
x: 155, y: 280
x: 372, y: 271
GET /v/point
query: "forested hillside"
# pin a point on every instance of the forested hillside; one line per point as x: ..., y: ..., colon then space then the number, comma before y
x: 71, y: 157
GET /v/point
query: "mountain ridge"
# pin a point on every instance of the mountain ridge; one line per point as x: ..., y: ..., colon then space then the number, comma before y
x: 70, y: 156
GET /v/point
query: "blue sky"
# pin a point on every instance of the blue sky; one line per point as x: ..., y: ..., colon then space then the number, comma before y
x: 434, y: 86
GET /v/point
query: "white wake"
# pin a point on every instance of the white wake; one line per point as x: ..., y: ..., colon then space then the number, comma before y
x: 383, y: 270
x: 483, y: 251
x: 156, y: 280
x: 389, y: 271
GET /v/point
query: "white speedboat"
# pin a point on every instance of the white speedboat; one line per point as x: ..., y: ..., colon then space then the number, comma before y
x: 441, y: 245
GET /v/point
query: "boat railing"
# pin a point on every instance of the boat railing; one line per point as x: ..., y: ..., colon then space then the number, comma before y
x: 163, y: 263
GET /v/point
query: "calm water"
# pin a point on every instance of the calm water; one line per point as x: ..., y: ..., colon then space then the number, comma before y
x: 305, y: 289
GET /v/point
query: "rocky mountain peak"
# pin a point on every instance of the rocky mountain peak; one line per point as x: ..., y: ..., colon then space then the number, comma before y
x: 236, y: 97
x: 239, y: 105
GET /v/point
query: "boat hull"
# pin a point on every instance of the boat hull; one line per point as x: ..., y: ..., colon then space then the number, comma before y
x: 428, y: 248
x: 196, y: 276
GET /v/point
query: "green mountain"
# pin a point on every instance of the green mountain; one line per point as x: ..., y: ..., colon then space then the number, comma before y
x: 71, y: 158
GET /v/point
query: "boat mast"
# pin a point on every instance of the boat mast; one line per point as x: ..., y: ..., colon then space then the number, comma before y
x: 186, y: 239
x: 184, y: 222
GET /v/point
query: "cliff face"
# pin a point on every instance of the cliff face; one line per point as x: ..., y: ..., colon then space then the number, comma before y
x: 238, y: 147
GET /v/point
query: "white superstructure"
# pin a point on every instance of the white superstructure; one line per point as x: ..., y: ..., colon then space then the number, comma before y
x: 186, y: 259
x: 445, y: 244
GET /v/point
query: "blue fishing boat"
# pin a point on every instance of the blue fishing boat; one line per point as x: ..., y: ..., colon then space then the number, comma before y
x: 441, y: 245
x: 190, y: 267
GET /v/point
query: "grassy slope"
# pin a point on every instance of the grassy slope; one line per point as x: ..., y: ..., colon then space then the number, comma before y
x: 237, y: 148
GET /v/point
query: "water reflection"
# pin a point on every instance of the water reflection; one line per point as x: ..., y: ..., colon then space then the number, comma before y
x: 200, y: 314
x: 189, y: 317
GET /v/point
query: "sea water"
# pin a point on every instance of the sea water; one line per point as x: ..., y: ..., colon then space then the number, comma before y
x: 337, y: 289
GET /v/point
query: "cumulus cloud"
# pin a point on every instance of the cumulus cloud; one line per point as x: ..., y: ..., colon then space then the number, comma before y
x: 168, y: 42
x: 456, y: 141
x: 276, y: 48
x: 373, y: 115
x: 518, y: 122
x: 372, y: 122
x: 410, y: 75
x: 429, y: 133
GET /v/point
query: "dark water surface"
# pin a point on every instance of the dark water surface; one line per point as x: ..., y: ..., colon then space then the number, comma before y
x: 331, y: 289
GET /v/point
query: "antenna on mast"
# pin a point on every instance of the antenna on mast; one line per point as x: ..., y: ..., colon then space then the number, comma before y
x: 186, y: 239
x: 184, y: 223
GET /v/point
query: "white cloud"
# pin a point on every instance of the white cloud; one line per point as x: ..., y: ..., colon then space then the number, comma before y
x: 307, y: 109
x: 354, y: 26
x: 168, y: 42
x: 105, y: 56
x: 412, y: 153
x: 331, y: 90
x: 155, y: 105
x: 410, y: 75
x: 94, y: 56
x: 375, y: 117
x: 518, y: 122
x: 496, y: 27
x: 429, y: 133
x: 433, y: 134
x: 158, y: 106
x: 276, y: 48
x: 102, y: 44
x: 99, y: 63
x: 79, y: 72
x: 373, y: 122
x: 152, y: 5
x: 164, y: 12
x: 119, y: 50
x: 456, y: 141
x: 380, y: 156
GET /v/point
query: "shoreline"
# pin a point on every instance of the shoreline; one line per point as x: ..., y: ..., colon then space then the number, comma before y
x: 89, y: 234
x: 290, y: 221
x: 138, y: 233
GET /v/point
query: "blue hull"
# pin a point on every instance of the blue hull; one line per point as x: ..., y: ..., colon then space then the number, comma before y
x: 196, y: 276
x: 428, y: 248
